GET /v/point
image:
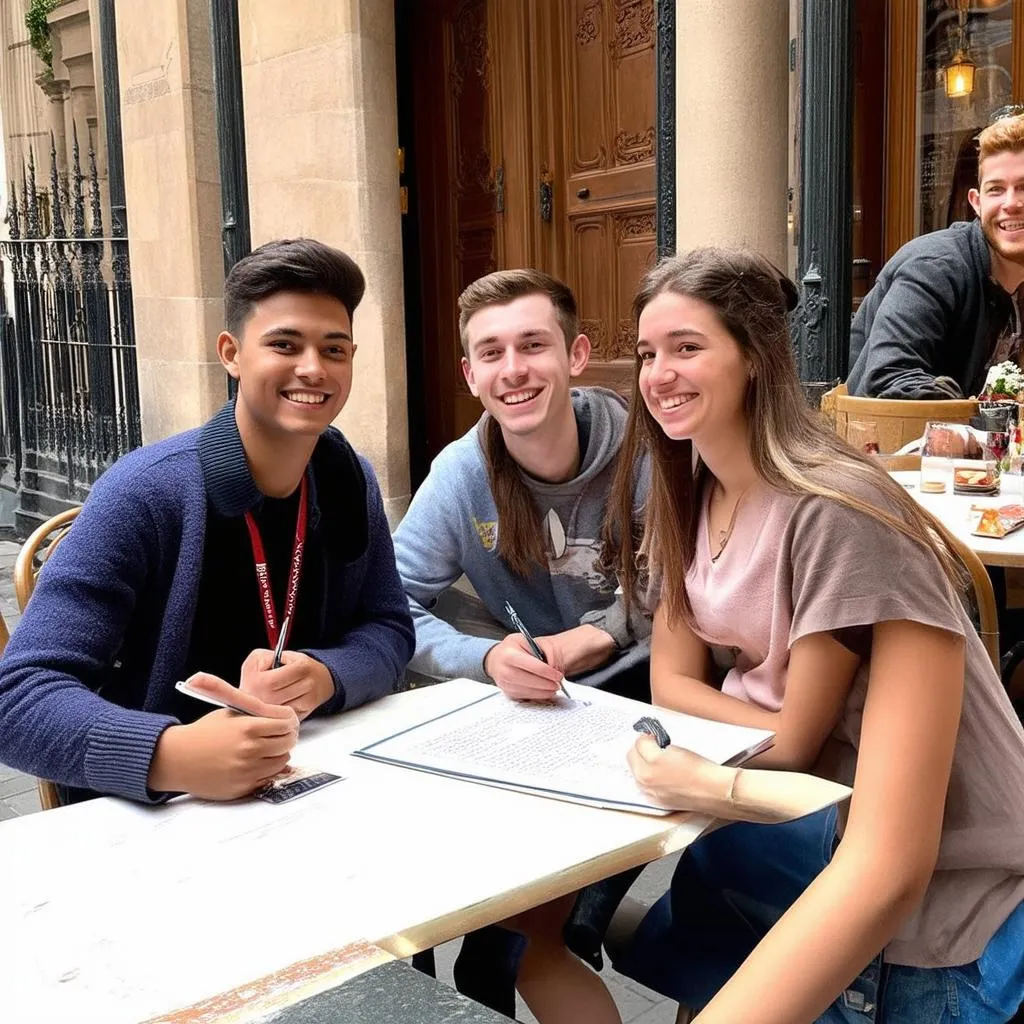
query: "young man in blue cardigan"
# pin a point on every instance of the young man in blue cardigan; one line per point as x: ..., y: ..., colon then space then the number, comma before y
x: 192, y: 554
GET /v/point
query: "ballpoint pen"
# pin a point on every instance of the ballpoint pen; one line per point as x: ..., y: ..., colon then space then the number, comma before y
x: 225, y: 696
x: 279, y: 649
x: 534, y: 646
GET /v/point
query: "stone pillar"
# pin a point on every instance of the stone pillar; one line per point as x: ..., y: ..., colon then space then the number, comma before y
x: 172, y: 190
x: 322, y: 136
x: 732, y: 97
x: 73, y: 74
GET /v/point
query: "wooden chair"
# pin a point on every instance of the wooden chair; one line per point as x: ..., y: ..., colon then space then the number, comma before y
x: 984, y: 595
x: 36, y: 550
x: 896, y: 421
x: 893, y: 463
x: 985, y: 601
x: 828, y: 403
x: 31, y: 559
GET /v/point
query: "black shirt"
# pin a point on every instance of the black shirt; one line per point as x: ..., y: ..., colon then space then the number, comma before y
x: 229, y: 621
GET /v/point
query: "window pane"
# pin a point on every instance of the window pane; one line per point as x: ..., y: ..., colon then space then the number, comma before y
x: 947, y: 155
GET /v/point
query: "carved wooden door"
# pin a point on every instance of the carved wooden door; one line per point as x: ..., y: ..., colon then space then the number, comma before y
x: 534, y: 146
x: 601, y: 236
x: 452, y: 197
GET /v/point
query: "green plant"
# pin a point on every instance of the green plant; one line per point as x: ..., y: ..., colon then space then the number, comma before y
x: 39, y: 29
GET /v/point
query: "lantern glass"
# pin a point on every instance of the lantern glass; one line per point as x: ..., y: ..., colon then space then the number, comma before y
x: 959, y: 77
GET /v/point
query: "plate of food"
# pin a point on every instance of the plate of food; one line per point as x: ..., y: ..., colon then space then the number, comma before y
x: 998, y: 522
x: 979, y: 478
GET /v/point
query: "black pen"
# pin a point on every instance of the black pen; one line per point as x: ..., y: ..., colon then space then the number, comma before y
x: 279, y: 649
x: 534, y: 646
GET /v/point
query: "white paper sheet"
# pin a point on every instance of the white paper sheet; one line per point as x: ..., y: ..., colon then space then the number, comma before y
x: 566, y: 749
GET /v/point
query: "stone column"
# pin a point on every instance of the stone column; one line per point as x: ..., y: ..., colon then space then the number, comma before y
x: 732, y: 97
x: 321, y: 138
x: 172, y: 191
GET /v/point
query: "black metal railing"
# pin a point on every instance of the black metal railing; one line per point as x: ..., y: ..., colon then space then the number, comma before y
x: 68, y: 358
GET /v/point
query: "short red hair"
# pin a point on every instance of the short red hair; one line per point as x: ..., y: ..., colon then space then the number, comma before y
x: 1003, y: 136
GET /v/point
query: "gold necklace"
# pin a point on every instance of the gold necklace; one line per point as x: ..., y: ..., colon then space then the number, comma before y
x: 724, y: 535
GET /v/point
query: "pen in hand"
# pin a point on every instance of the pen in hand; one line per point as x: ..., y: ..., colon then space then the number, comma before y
x: 224, y: 695
x: 534, y: 646
x: 279, y: 649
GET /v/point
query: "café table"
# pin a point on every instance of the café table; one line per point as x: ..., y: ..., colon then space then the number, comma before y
x: 359, y: 984
x: 958, y: 513
x: 113, y: 912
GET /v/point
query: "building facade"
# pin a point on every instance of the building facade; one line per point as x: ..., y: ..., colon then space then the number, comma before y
x: 436, y: 140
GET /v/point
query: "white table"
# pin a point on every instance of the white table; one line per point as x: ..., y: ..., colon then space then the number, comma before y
x: 954, y: 511
x: 112, y: 912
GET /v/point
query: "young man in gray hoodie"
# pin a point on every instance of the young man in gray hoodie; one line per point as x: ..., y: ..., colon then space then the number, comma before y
x: 517, y: 505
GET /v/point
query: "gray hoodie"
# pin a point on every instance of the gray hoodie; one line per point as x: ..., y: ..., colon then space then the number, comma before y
x: 451, y: 529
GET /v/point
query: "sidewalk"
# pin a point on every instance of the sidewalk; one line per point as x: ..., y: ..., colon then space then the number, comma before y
x: 637, y: 1004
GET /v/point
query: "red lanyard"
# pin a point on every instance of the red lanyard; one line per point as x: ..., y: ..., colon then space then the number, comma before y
x: 263, y: 575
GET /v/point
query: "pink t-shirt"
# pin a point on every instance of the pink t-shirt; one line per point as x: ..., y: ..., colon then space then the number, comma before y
x: 796, y: 565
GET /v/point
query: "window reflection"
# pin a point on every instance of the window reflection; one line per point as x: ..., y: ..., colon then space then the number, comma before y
x: 947, y: 154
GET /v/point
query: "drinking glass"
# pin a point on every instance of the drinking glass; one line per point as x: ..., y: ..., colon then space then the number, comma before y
x: 936, y: 474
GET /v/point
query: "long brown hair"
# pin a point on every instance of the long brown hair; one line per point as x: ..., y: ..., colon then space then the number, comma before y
x: 793, y: 449
x: 520, y: 542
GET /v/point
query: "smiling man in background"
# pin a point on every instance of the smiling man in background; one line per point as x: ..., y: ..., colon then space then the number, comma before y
x: 193, y: 554
x: 948, y: 305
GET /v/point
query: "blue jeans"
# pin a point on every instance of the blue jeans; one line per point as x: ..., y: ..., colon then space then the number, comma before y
x: 731, y: 887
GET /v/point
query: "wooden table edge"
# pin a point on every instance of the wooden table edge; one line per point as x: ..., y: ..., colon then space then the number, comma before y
x: 497, y: 908
x: 253, y: 1000
x: 281, y: 989
x: 1003, y: 560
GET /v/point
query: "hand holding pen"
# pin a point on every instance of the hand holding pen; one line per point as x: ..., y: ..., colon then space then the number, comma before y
x: 519, y: 666
x: 287, y: 677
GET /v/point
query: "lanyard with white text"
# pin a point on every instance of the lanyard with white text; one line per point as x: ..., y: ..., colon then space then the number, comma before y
x: 294, y: 572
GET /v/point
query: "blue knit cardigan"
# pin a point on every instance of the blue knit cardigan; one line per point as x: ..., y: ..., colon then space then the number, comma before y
x: 87, y: 676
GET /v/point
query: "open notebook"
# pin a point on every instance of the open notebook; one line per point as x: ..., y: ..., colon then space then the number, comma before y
x: 567, y: 749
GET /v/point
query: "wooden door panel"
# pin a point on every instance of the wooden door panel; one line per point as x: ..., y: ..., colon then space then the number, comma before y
x: 513, y: 124
x: 589, y: 246
x: 453, y: 197
x: 468, y: 73
x: 608, y: 171
x: 635, y: 251
x: 585, y: 32
x: 510, y: 94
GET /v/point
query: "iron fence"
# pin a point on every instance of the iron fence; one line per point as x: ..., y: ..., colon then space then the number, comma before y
x: 68, y: 357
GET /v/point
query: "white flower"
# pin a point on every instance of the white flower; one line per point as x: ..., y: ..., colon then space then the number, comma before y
x: 1005, y: 379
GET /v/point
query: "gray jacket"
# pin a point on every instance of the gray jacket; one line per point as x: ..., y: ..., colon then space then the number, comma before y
x: 927, y: 327
x: 451, y: 529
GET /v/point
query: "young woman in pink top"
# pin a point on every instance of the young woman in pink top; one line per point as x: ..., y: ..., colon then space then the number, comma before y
x: 801, y: 590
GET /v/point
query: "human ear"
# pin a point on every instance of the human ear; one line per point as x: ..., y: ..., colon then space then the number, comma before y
x: 579, y: 355
x: 974, y: 198
x: 467, y: 372
x: 228, y: 347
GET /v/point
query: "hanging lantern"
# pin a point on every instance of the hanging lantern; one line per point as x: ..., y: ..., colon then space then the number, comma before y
x: 959, y: 74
